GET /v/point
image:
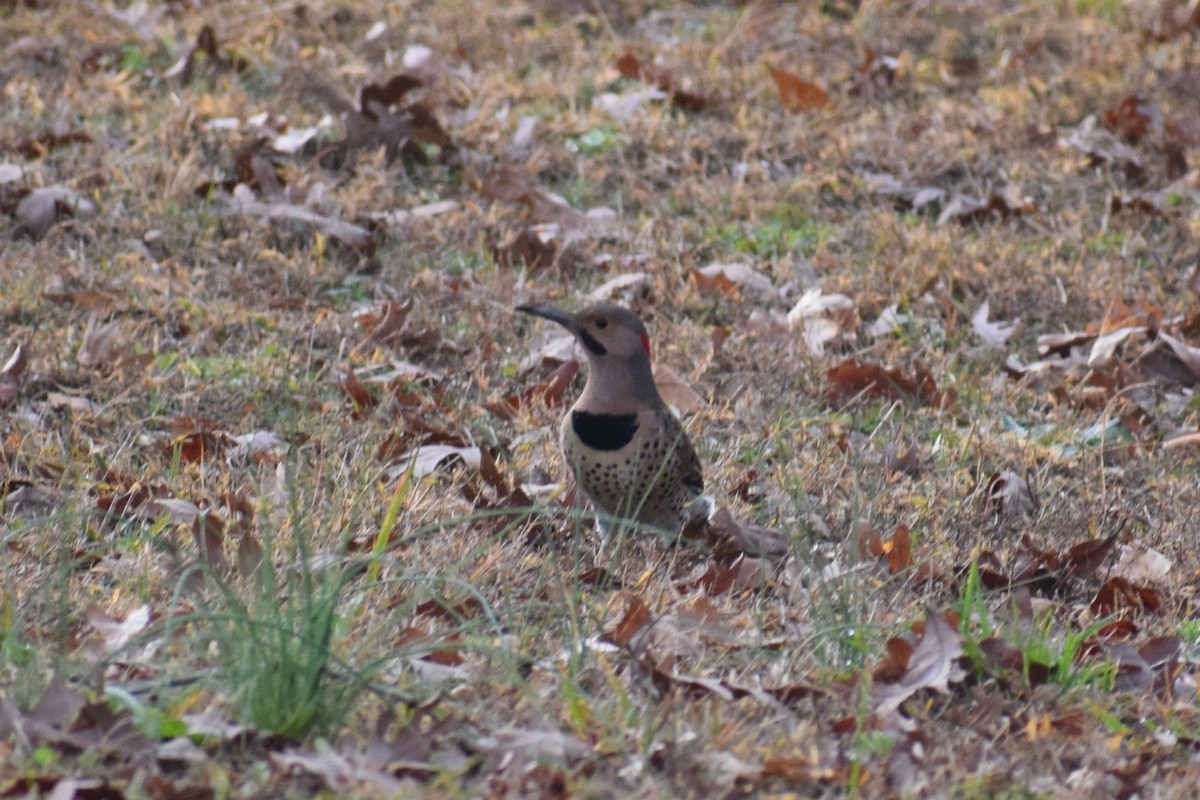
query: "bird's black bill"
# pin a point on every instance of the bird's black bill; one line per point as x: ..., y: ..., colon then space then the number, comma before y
x: 554, y: 314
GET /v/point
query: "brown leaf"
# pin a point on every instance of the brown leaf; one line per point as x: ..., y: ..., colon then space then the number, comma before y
x: 1085, y: 558
x: 358, y: 392
x: 439, y: 608
x: 852, y: 378
x: 199, y: 446
x: 933, y: 665
x: 731, y: 538
x: 715, y: 283
x: 1118, y: 594
x: 386, y: 118
x: 83, y: 300
x: 895, y: 664
x: 876, y: 72
x: 390, y: 94
x: 967, y: 211
x: 385, y: 320
x: 1009, y: 494
x: 249, y: 554
x: 796, y: 94
x: 1002, y: 655
x: 899, y: 549
x: 630, y: 67
x: 533, y: 248
x: 637, y: 616
x: 40, y: 144
x: 744, y: 573
x: 203, y: 51
x: 1132, y: 118
x: 209, y: 532
x: 549, y: 390
x: 507, y: 184
x: 420, y: 640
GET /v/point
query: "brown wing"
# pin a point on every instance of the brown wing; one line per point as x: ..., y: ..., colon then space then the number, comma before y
x: 691, y: 471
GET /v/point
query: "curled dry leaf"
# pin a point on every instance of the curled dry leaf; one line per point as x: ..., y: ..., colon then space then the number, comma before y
x: 99, y: 343
x: 878, y: 71
x: 534, y: 248
x: 204, y: 51
x: 888, y: 323
x: 400, y: 217
x: 258, y: 447
x: 386, y: 117
x: 426, y: 459
x: 10, y: 376
x: 42, y: 143
x: 1101, y: 146
x: 822, y: 319
x: 208, y: 531
x: 744, y: 573
x: 1009, y: 494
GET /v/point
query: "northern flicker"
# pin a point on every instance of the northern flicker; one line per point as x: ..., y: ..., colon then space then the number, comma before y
x: 628, y: 452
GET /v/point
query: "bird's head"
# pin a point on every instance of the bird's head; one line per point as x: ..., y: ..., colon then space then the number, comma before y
x: 615, y: 342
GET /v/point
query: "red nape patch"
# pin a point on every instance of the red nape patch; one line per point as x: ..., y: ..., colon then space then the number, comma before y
x: 646, y: 343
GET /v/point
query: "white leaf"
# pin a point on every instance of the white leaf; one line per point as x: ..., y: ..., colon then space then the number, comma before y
x: 993, y: 334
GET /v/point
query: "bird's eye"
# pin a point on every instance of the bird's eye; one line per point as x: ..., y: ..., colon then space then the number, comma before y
x: 601, y: 323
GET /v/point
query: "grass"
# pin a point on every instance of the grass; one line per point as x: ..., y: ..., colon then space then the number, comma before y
x: 427, y: 617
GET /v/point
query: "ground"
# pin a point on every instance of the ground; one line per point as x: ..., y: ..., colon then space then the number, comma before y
x: 282, y: 504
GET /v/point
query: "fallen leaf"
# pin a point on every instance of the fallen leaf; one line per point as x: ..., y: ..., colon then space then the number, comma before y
x: 1009, y: 494
x: 796, y: 94
x: 932, y: 665
x: 242, y: 202
x: 637, y: 616
x: 731, y: 279
x: 43, y: 207
x: 426, y: 459
x: 675, y: 392
x: 822, y: 319
x: 1141, y: 563
x: 851, y: 379
x: 118, y: 633
x: 1132, y: 118
x: 992, y: 334
x: 10, y: 376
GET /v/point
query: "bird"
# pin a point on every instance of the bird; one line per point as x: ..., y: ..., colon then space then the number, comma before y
x: 628, y: 452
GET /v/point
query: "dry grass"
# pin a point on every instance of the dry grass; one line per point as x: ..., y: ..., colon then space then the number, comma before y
x: 231, y: 324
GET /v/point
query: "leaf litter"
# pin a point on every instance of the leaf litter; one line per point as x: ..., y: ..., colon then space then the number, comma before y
x: 223, y: 271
